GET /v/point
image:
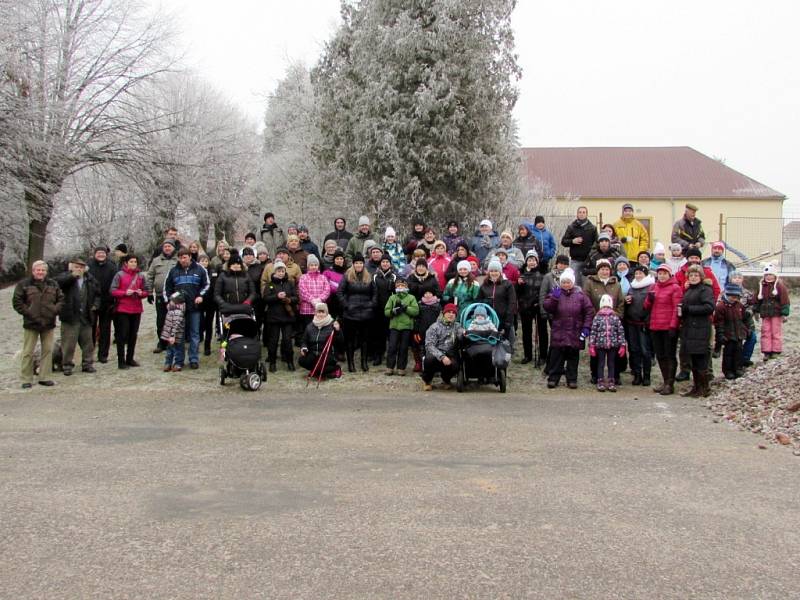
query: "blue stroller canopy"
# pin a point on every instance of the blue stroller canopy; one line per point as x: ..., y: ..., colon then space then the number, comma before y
x: 468, y: 316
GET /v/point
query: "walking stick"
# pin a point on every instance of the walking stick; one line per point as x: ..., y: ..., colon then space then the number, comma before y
x: 319, y: 365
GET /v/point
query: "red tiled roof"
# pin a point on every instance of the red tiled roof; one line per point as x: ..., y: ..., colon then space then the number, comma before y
x: 670, y: 172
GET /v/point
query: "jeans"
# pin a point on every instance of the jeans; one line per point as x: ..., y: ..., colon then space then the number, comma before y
x: 192, y: 334
x: 640, y: 348
x: 170, y: 353
x: 749, y: 346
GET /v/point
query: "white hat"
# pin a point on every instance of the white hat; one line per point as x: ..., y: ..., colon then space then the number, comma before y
x: 770, y: 269
x: 494, y: 265
x: 567, y: 275
x: 486, y: 222
x: 675, y: 247
x: 606, y: 301
x: 659, y: 248
x: 464, y: 264
x: 278, y: 264
x: 363, y: 220
x: 312, y: 260
x: 390, y: 232
x: 531, y: 253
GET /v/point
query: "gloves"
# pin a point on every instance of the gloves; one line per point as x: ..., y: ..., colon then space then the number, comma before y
x: 585, y: 333
x: 622, y: 351
x: 556, y: 293
x: 592, y: 351
x: 151, y: 299
x: 398, y: 310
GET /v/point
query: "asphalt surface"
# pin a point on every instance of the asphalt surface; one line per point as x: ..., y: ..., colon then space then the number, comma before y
x: 308, y: 495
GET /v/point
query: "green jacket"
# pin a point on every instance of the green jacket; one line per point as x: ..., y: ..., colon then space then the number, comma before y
x: 405, y: 320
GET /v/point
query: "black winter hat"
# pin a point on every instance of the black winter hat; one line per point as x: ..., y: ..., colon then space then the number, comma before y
x: 338, y: 253
x: 248, y: 251
x: 122, y: 248
x: 562, y: 259
x: 358, y: 257
x: 642, y: 268
x: 453, y: 224
x: 538, y: 219
x: 421, y: 261
x: 694, y: 252
x: 385, y: 256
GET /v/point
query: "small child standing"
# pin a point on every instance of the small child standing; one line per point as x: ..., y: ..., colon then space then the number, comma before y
x: 732, y: 322
x: 173, y: 330
x: 773, y: 307
x: 606, y: 341
x: 748, y: 300
x: 400, y: 309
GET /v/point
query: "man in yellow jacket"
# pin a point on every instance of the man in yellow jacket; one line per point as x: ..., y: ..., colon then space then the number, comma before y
x: 631, y: 233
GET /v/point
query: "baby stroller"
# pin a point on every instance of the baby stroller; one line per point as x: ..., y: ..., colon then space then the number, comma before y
x: 241, y: 351
x: 483, y: 356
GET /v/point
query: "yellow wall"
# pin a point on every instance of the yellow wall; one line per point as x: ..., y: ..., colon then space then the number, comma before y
x: 753, y: 226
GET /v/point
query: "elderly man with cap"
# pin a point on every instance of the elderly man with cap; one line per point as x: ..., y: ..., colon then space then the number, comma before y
x: 272, y: 235
x: 579, y: 237
x: 688, y: 231
x: 719, y: 264
x: 485, y: 240
x: 155, y: 277
x: 103, y: 270
x: 441, y: 348
x: 632, y: 234
x: 81, y: 302
x: 356, y: 243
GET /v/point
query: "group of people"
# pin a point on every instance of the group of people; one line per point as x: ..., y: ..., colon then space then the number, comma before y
x: 382, y: 297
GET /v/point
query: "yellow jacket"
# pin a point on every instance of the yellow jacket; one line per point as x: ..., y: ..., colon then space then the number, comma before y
x: 633, y: 235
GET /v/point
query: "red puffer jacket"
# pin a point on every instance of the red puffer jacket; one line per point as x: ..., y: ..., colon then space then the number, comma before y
x: 662, y: 302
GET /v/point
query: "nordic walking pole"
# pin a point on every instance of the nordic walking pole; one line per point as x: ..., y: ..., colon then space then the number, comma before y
x: 326, y: 351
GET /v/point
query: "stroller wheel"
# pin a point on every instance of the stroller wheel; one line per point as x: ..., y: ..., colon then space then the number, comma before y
x: 501, y: 380
x: 460, y: 380
x: 222, y: 375
x: 250, y: 381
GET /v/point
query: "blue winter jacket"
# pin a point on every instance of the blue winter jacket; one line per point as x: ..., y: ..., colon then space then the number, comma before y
x: 546, y: 239
x: 192, y: 281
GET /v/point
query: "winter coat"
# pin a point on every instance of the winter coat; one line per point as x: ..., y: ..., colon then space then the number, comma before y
x: 595, y: 289
x: 607, y: 330
x: 452, y: 242
x: 174, y: 322
x: 428, y: 313
x: 127, y: 279
x: 481, y: 245
x: 680, y: 277
x: 157, y: 272
x: 357, y: 299
x: 193, y: 282
x: 585, y: 230
x: 254, y: 273
x: 529, y: 285
x: 459, y: 292
x: 591, y: 262
x: 315, y: 338
x: 273, y: 238
x: 299, y: 257
x: 676, y: 264
x: 662, y: 303
x: 572, y: 313
x: 310, y: 248
x: 279, y: 310
x: 528, y: 242
x: 549, y: 283
x: 103, y: 273
x: 384, y: 286
x: 515, y: 256
x: 547, y: 243
x: 418, y: 286
x: 732, y: 322
x: 439, y: 265
x: 633, y: 235
x: 685, y: 232
x: 39, y: 303
x: 312, y: 286
x: 720, y: 267
x: 233, y: 288
x: 405, y: 320
x: 356, y: 244
x: 441, y: 338
x: 411, y: 241
x: 697, y: 307
x: 340, y: 237
x: 635, y: 312
x: 772, y: 300
x: 334, y: 278
x: 79, y: 302
x: 395, y: 252
x: 502, y: 297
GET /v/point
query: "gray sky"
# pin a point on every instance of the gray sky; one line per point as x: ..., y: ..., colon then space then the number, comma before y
x: 720, y: 76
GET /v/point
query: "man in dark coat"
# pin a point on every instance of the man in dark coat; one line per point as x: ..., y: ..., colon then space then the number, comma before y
x: 81, y: 303
x: 305, y: 241
x: 272, y: 235
x: 340, y: 235
x: 688, y: 231
x: 103, y: 270
x: 579, y: 237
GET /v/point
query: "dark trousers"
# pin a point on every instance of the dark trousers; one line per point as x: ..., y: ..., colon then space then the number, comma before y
x: 606, y: 360
x: 698, y: 362
x: 563, y: 360
x: 161, y: 316
x: 274, y: 332
x: 527, y: 319
x: 126, y: 329
x: 397, y: 354
x: 639, y: 348
x: 101, y: 332
x: 732, y: 358
x: 309, y: 361
x: 431, y: 366
x: 687, y: 364
x: 379, y: 332
x: 357, y: 334
x: 664, y: 345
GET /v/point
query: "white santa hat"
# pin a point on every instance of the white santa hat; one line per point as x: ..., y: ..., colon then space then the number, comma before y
x: 567, y: 275
x: 606, y: 301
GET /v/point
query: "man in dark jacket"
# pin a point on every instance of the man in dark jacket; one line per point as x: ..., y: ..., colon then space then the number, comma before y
x: 81, y: 303
x: 103, y: 271
x: 39, y: 300
x: 579, y: 237
x: 305, y: 241
x: 271, y: 234
x: 340, y: 235
x: 192, y: 280
x: 688, y: 231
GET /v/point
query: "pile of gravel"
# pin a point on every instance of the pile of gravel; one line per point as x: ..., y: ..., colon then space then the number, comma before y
x: 764, y: 401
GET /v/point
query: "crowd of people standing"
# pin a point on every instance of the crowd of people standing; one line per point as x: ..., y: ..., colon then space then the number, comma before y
x: 380, y: 296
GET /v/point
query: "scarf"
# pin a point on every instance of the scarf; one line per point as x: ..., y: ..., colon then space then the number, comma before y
x: 429, y: 301
x: 321, y: 322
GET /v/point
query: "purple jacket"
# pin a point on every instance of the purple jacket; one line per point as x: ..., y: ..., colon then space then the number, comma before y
x: 572, y: 312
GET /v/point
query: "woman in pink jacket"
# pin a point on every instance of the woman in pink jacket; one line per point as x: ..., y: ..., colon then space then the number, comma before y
x: 663, y: 303
x: 128, y: 290
x: 312, y: 288
x: 439, y: 262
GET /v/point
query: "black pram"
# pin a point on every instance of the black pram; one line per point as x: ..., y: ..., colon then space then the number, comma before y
x: 241, y: 351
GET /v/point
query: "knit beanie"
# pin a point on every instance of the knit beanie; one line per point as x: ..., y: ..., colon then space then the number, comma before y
x: 312, y: 260
x: 389, y: 232
x: 659, y: 248
x: 494, y: 265
x: 733, y: 289
x: 463, y: 264
x: 363, y: 220
x: 606, y: 301
x: 567, y: 275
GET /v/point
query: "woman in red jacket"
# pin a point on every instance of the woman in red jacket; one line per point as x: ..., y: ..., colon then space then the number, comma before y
x: 128, y: 289
x: 663, y: 302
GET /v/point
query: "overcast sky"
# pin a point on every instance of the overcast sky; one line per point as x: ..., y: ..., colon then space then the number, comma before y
x: 720, y: 76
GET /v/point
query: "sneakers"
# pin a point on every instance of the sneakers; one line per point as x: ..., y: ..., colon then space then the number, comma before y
x: 426, y: 387
x: 611, y: 387
x: 601, y: 386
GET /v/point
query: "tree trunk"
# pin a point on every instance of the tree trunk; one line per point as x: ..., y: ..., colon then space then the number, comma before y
x: 37, y: 234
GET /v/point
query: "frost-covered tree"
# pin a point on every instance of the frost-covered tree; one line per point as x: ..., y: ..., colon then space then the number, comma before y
x: 416, y: 103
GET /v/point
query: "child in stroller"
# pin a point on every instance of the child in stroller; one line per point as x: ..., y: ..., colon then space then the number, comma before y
x: 240, y: 351
x: 484, y: 353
